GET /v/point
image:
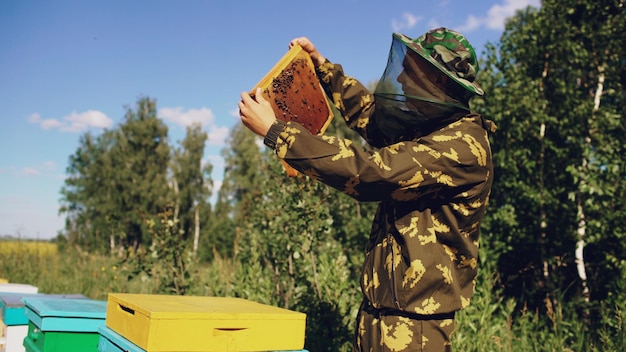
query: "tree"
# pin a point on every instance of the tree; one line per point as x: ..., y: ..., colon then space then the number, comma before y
x: 191, y: 183
x: 239, y: 188
x: 117, y: 180
x: 555, y: 87
x: 87, y: 199
x: 141, y: 156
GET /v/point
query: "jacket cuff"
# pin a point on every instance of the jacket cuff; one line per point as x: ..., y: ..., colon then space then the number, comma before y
x: 324, y: 70
x: 272, y: 133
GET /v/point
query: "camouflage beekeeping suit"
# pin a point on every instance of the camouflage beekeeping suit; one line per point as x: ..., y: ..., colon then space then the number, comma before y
x: 431, y: 171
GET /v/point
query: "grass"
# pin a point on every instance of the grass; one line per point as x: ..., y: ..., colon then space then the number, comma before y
x: 490, y: 323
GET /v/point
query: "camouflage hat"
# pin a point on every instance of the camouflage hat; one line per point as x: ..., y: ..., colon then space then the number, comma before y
x: 450, y: 52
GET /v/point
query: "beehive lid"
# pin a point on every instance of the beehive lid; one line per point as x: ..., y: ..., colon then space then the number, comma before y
x: 167, y: 323
x: 199, y: 307
x: 12, y: 305
x: 18, y: 288
x: 12, y: 308
x: 52, y: 314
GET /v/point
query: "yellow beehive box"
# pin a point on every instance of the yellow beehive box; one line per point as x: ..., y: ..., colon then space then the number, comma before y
x: 164, y: 323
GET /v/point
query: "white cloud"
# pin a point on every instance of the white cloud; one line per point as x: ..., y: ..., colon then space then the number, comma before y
x: 49, y: 165
x: 497, y: 15
x: 218, y: 163
x: 34, y: 118
x: 215, y: 160
x: 407, y: 21
x: 46, y: 124
x: 49, y: 124
x: 30, y: 171
x: 216, y: 187
x: 217, y: 184
x: 85, y: 120
x: 217, y: 135
x: 184, y: 118
x: 217, y: 175
x: 204, y: 116
x: 434, y: 23
x: 47, y: 168
x: 75, y: 122
x: 472, y: 22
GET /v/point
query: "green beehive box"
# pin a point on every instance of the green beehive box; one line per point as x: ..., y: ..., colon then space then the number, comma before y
x: 63, y: 325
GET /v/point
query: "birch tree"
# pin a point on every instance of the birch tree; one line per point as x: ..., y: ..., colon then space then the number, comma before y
x: 555, y: 87
x: 191, y: 183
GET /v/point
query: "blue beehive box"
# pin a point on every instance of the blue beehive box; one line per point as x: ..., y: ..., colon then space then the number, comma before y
x: 63, y: 325
x: 110, y: 341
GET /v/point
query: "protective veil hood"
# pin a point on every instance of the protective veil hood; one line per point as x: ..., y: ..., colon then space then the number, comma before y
x: 426, y: 85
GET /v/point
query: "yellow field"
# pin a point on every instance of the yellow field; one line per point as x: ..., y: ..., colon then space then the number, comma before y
x: 32, y: 247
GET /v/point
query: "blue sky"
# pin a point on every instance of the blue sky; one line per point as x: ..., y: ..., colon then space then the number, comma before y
x: 68, y: 67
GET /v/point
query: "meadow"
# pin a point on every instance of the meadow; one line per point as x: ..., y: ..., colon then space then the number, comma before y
x: 41, y: 264
x: 490, y: 323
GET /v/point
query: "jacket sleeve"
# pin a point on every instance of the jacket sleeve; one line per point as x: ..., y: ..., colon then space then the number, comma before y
x: 443, y: 164
x: 353, y: 100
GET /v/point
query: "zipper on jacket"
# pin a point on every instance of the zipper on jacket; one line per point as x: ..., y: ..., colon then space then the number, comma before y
x: 394, y: 292
x: 391, y: 220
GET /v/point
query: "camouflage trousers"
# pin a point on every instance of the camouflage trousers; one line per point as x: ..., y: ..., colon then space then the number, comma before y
x: 395, y: 331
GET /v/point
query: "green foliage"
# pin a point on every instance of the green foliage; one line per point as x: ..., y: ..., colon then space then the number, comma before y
x: 240, y: 176
x: 490, y: 323
x: 612, y: 335
x: 192, y: 182
x: 289, y: 258
x: 116, y: 180
x: 486, y: 325
x: 141, y: 156
x: 122, y: 178
x: 494, y: 323
x: 288, y: 248
x: 555, y: 88
x: 167, y: 262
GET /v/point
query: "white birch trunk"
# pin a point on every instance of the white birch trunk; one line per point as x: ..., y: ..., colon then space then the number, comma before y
x: 543, y: 225
x: 177, y: 206
x: 580, y: 247
x: 582, y: 223
x: 196, y: 236
x: 542, y: 134
x: 112, y: 243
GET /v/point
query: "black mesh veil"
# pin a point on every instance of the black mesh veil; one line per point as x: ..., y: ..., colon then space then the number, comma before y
x: 413, y: 97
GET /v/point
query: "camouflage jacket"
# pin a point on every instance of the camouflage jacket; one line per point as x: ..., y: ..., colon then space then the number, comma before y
x: 423, y: 247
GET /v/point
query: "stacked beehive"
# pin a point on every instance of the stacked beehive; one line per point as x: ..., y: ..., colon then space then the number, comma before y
x: 37, y: 322
x: 26, y: 320
x: 68, y: 325
x: 13, y: 323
